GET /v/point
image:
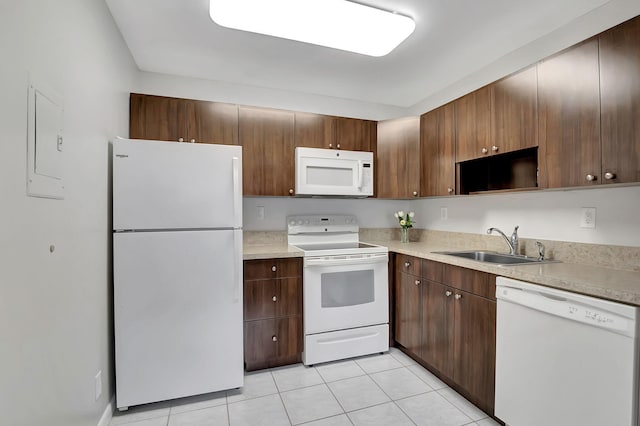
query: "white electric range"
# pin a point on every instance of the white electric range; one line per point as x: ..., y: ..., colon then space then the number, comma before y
x: 346, y: 288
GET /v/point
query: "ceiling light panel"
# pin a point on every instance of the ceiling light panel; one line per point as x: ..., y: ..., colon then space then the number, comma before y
x: 338, y: 24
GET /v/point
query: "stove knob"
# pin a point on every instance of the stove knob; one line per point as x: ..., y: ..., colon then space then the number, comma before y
x: 292, y: 222
x: 299, y: 222
x: 306, y: 222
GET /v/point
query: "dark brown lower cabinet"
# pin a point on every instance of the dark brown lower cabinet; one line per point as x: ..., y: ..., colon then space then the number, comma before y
x: 455, y: 336
x: 272, y: 313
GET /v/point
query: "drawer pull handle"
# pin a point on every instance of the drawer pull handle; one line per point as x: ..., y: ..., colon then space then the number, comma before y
x: 417, y: 282
x: 274, y: 298
x: 407, y: 264
x: 274, y: 338
x: 458, y: 296
x: 447, y: 293
x: 273, y: 268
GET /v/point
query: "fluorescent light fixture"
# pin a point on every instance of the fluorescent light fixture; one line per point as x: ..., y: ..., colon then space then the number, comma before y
x: 338, y: 24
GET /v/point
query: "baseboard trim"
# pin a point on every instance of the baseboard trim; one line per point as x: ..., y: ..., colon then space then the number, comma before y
x: 108, y: 413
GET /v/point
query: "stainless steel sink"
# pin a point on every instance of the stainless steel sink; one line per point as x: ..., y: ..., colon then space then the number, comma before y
x: 494, y: 258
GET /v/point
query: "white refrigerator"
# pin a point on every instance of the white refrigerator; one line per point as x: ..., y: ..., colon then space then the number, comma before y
x: 177, y: 267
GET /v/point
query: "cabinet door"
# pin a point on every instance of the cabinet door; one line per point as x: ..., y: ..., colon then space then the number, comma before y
x: 213, y: 122
x: 266, y: 137
x: 398, y: 155
x: 620, y: 102
x: 353, y: 134
x: 289, y: 301
x: 437, y: 152
x: 473, y: 124
x: 315, y: 130
x: 437, y: 327
x: 569, y: 96
x: 157, y: 118
x: 259, y: 344
x: 407, y: 315
x: 289, y: 338
x: 514, y: 112
x: 475, y: 348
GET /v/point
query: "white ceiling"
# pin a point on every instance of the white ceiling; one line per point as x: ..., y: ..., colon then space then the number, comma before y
x: 453, y: 39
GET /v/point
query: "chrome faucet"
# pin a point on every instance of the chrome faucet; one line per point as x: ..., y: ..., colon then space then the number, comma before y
x: 513, y: 241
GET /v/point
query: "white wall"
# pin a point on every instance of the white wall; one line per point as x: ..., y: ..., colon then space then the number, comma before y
x: 550, y: 215
x: 55, y: 308
x: 371, y: 212
x: 192, y: 88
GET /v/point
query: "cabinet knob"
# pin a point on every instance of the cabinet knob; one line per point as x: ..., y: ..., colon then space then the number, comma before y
x: 458, y: 296
x: 330, y: 145
x: 485, y: 150
x: 180, y: 139
x: 494, y: 148
x: 273, y: 268
x: 274, y: 338
x: 417, y: 282
x: 407, y: 264
x: 338, y: 146
x: 590, y: 177
x: 609, y: 176
x: 192, y: 141
x: 274, y: 298
x: 415, y: 193
x: 450, y: 190
x: 290, y: 191
x: 447, y: 293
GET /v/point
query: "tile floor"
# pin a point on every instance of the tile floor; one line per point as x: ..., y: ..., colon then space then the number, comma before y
x: 387, y: 389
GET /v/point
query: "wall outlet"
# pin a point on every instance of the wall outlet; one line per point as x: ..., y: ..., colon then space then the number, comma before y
x: 444, y: 213
x: 260, y: 212
x: 588, y: 217
x: 98, y: 384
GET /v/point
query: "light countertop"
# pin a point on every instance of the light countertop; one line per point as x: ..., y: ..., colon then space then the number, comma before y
x: 612, y: 284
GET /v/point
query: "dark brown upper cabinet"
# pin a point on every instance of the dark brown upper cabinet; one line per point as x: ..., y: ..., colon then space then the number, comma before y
x: 329, y: 132
x: 353, y: 134
x: 315, y: 130
x: 473, y: 125
x: 437, y: 149
x: 398, y: 155
x: 569, y: 117
x: 514, y: 112
x: 620, y: 102
x: 266, y: 136
x: 182, y: 120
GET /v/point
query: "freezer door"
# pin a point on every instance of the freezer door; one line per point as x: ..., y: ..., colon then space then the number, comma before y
x: 165, y: 185
x: 178, y: 314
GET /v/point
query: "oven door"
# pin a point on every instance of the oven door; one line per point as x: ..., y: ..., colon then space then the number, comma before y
x: 345, y: 292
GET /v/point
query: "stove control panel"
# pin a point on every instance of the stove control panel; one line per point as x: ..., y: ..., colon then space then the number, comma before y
x: 311, y: 224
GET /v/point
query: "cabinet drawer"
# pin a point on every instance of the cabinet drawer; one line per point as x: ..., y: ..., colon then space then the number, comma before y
x: 432, y: 271
x: 272, y: 268
x: 409, y: 264
x: 479, y: 283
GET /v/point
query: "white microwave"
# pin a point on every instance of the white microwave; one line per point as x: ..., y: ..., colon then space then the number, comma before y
x: 334, y: 173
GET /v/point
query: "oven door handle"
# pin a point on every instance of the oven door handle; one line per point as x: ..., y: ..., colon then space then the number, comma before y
x: 346, y: 261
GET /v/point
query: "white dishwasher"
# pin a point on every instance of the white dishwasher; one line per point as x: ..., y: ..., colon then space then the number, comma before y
x: 564, y: 359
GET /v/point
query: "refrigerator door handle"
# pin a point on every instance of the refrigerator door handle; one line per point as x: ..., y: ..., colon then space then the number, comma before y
x: 237, y: 267
x: 237, y: 194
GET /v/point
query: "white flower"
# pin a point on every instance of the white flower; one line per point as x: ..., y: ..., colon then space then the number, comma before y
x: 411, y: 214
x: 403, y: 222
x: 396, y: 215
x: 401, y: 213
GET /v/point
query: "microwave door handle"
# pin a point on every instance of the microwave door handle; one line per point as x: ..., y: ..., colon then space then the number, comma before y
x: 360, y: 174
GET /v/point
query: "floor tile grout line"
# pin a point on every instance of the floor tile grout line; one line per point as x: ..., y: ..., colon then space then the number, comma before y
x: 460, y: 409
